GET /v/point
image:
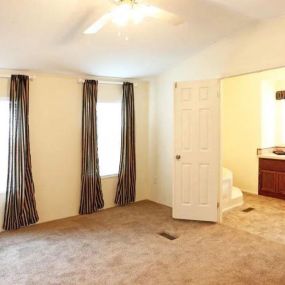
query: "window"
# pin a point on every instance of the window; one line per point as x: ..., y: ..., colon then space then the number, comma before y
x: 4, y: 137
x: 109, y: 137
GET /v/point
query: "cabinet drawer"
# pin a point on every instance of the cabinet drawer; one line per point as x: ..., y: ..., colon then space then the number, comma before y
x: 272, y: 164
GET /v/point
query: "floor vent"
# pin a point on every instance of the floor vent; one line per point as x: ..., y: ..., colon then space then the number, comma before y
x: 248, y: 209
x: 168, y: 236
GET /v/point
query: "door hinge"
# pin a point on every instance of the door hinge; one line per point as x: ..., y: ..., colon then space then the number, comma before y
x: 175, y: 85
x: 218, y: 205
x: 218, y: 94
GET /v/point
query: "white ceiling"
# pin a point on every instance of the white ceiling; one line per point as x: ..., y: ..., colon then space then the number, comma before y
x: 46, y: 35
x: 258, y: 9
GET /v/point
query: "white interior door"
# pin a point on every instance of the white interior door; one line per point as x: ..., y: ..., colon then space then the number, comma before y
x: 197, y: 151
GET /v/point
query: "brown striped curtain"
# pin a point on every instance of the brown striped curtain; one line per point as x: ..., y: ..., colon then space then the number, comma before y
x: 91, y: 190
x: 20, y: 207
x: 126, y: 187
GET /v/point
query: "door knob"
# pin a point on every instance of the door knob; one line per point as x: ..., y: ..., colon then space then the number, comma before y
x: 178, y: 156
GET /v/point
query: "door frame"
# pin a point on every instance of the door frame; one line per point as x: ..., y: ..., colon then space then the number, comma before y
x: 219, y: 194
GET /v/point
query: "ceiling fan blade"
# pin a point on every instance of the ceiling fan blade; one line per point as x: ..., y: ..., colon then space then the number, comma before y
x: 98, y: 25
x: 164, y: 15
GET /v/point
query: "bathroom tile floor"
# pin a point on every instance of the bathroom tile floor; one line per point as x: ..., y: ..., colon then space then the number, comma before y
x: 267, y: 220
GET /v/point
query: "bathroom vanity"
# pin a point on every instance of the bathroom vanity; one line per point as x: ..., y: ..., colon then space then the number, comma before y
x: 272, y: 176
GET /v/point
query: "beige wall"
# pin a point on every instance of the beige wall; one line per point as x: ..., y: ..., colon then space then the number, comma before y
x: 55, y: 134
x: 256, y: 48
x: 241, y: 129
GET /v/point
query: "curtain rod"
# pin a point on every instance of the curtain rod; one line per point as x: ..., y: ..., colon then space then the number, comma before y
x: 31, y: 77
x: 107, y: 82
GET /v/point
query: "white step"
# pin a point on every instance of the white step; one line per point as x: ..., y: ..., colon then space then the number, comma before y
x: 228, y: 177
x: 235, y: 201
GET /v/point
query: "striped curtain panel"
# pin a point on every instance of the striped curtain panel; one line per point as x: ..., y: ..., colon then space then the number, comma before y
x: 91, y: 190
x: 20, y: 207
x: 126, y: 187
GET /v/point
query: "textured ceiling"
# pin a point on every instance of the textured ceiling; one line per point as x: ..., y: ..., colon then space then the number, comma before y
x: 46, y: 35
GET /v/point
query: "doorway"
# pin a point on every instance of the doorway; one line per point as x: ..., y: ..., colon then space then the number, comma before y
x: 252, y: 128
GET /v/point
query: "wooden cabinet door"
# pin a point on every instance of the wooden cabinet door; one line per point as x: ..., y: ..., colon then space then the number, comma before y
x: 272, y: 178
x: 267, y: 181
x: 280, y: 189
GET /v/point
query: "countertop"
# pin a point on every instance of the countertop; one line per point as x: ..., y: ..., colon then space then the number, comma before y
x: 272, y: 156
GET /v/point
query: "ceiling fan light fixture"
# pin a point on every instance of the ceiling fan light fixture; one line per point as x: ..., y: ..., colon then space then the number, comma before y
x: 134, y: 11
x: 128, y: 11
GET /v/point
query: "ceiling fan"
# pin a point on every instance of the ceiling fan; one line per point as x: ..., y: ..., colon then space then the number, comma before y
x: 134, y: 11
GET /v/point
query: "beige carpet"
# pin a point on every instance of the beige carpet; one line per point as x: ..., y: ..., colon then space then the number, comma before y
x: 121, y: 246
